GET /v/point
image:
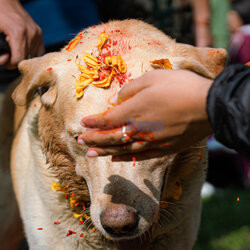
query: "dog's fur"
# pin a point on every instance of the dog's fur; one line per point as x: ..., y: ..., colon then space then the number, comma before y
x: 45, y: 150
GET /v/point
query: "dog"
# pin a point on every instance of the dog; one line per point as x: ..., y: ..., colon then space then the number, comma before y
x: 97, y: 203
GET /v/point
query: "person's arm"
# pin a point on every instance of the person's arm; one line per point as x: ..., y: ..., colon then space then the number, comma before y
x: 201, y: 16
x: 228, y: 107
x: 22, y: 33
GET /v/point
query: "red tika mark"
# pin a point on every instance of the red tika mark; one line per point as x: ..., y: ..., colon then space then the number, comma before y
x: 69, y: 60
x: 49, y: 69
x: 117, y: 30
x: 80, y: 223
x: 149, y: 43
x: 94, y: 27
x: 40, y: 228
x: 70, y: 232
x: 134, y: 160
x: 140, y: 142
x: 57, y: 222
x: 34, y: 105
x: 81, y: 235
x: 129, y: 47
x: 81, y: 42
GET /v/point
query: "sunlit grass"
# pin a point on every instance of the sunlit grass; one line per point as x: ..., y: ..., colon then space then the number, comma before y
x: 225, y: 222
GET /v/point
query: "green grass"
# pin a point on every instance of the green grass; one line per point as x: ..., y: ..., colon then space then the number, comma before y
x: 225, y: 223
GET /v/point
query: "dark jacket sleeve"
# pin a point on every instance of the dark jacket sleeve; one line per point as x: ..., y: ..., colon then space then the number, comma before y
x: 228, y: 108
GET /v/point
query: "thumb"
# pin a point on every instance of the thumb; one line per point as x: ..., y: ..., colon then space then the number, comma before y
x: 4, y: 58
x: 129, y: 90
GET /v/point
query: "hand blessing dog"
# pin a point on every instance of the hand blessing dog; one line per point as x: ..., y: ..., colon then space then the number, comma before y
x: 161, y: 112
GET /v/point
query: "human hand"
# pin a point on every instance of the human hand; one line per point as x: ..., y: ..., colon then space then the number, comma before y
x: 173, y: 101
x: 22, y: 33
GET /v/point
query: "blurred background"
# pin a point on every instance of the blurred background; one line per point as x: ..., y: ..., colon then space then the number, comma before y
x: 217, y: 23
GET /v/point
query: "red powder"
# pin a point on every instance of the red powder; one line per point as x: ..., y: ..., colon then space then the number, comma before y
x: 49, y: 69
x: 69, y: 60
x: 117, y: 30
x: 40, y: 228
x: 129, y: 47
x: 134, y: 160
x: 70, y: 232
x: 57, y: 222
x: 34, y: 105
x: 81, y: 235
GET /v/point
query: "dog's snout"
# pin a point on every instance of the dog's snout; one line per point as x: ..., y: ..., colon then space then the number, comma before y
x: 119, y: 220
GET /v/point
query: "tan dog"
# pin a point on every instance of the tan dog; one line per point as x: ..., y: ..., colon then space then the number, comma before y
x: 155, y: 204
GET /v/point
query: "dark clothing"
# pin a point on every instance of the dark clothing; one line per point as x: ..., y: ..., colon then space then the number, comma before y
x: 228, y: 108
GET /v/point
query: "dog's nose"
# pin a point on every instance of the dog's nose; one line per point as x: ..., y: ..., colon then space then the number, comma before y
x: 119, y: 220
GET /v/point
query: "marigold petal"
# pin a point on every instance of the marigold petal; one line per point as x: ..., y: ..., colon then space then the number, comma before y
x: 103, y: 37
x: 122, y: 67
x: 164, y: 63
x: 77, y: 216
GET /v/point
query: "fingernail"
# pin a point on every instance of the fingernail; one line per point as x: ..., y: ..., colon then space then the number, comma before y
x: 83, y: 124
x: 80, y: 141
x: 114, y: 98
x: 92, y: 153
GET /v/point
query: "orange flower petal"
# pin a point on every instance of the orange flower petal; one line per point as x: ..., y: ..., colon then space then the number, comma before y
x: 164, y: 63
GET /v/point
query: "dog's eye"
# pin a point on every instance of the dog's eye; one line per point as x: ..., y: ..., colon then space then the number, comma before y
x: 43, y: 90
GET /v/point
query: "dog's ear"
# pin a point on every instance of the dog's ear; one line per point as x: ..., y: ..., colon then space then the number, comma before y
x: 37, y: 73
x: 207, y: 62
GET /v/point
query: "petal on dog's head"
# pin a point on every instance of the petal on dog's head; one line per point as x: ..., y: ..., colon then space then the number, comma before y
x: 37, y: 72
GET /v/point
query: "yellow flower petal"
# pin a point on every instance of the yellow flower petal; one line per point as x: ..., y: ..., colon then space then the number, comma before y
x: 76, y: 216
x: 91, y: 61
x: 122, y: 67
x: 102, y: 40
x: 72, y: 201
x: 56, y: 186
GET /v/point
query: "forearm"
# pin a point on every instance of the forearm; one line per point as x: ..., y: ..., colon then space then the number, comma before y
x: 228, y: 107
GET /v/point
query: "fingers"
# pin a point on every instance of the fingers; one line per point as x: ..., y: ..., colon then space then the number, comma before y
x: 129, y: 90
x: 113, y: 118
x: 116, y: 136
x: 4, y: 58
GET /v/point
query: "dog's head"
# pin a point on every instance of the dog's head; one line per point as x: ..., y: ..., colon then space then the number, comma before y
x: 124, y: 199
